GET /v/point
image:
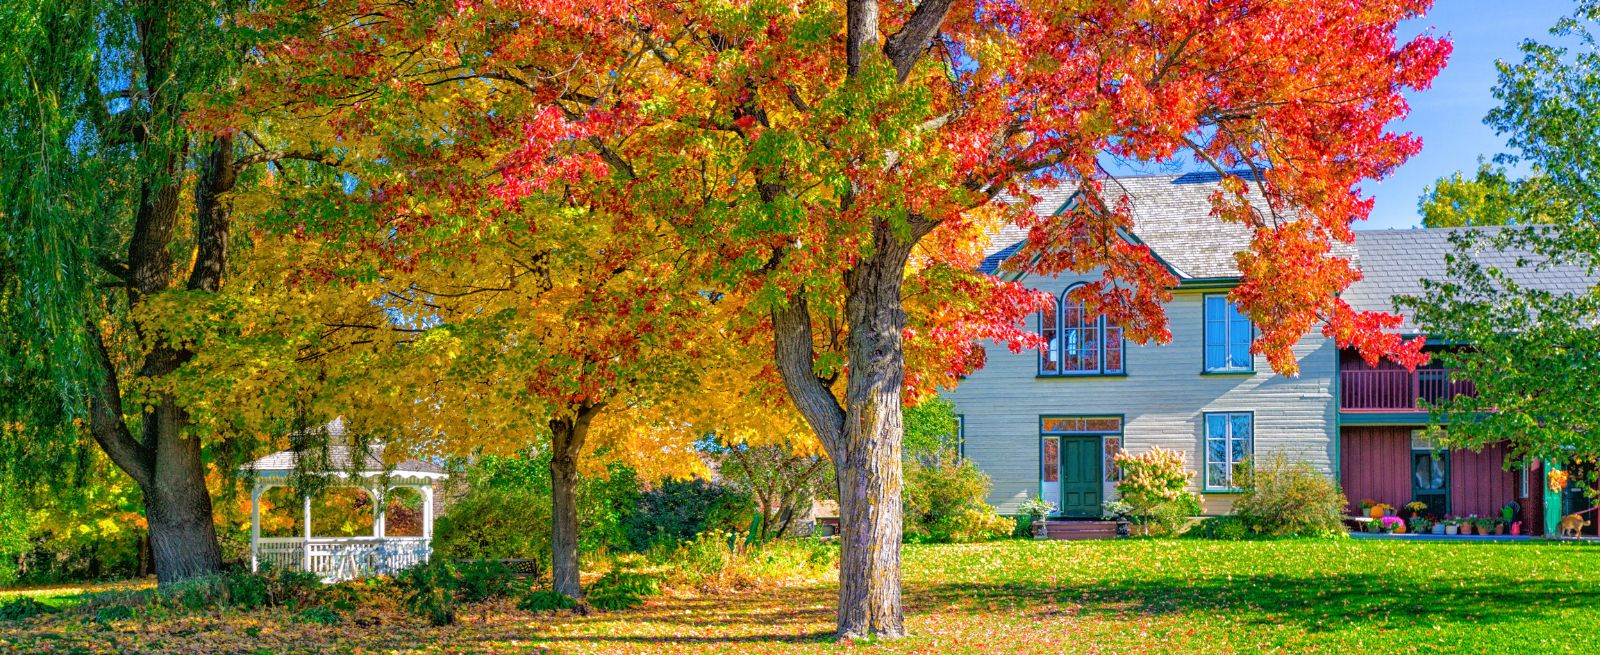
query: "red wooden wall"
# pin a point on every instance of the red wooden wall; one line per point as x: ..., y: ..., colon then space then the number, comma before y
x: 1479, y: 483
x: 1375, y: 463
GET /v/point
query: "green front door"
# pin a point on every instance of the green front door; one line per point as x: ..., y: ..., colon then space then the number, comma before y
x: 1081, y: 478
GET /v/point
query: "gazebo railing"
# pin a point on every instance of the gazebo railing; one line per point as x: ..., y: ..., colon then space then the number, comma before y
x: 337, y: 559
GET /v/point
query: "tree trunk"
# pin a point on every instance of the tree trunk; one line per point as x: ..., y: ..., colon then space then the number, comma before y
x: 183, y: 538
x: 167, y: 464
x: 863, y: 438
x: 566, y: 437
x: 869, y: 471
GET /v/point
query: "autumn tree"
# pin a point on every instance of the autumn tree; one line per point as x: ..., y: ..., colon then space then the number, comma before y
x: 569, y: 332
x: 1534, y: 354
x: 841, y: 162
x: 119, y: 219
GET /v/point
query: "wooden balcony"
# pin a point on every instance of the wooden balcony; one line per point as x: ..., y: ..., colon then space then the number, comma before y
x: 1366, y: 390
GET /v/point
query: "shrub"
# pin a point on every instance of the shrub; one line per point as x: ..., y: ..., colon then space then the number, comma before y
x: 23, y: 608
x: 430, y: 592
x: 621, y: 590
x: 505, y: 513
x: 944, y: 501
x: 544, y: 600
x: 1289, y: 499
x: 319, y: 616
x: 1154, y: 484
x: 678, y: 510
x: 1225, y: 528
x: 718, y: 561
x: 480, y: 580
x: 246, y: 591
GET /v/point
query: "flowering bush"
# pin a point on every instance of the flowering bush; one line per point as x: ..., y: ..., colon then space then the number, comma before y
x: 1154, y: 483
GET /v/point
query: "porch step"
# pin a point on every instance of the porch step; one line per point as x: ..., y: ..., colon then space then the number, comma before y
x: 1080, y: 530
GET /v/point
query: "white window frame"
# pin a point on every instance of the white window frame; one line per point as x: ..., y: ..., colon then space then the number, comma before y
x: 1229, y: 324
x: 1230, y: 464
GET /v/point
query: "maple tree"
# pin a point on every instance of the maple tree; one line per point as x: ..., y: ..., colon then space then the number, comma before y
x: 837, y: 165
x: 570, y: 332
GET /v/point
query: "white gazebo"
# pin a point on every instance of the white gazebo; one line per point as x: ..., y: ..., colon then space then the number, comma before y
x: 344, y: 558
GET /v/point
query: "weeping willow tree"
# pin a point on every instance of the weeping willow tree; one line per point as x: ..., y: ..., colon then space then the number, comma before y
x: 116, y: 204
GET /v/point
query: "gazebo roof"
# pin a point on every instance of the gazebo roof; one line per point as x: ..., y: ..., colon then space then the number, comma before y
x: 341, y: 456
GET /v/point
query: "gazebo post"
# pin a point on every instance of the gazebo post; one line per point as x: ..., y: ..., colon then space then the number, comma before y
x: 379, y: 507
x: 305, y: 548
x: 427, y: 519
x: 255, y: 526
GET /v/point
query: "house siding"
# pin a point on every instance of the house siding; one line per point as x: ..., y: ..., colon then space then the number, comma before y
x: 1163, y: 399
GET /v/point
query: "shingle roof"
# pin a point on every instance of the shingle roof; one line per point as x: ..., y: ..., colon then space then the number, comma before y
x: 340, y: 455
x: 1394, y: 263
x: 1171, y: 215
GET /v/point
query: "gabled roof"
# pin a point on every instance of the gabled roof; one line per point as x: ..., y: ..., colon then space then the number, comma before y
x: 341, y: 453
x: 1394, y: 263
x: 1171, y: 214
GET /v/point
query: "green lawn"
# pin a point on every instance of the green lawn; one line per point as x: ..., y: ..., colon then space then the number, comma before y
x: 1344, y: 596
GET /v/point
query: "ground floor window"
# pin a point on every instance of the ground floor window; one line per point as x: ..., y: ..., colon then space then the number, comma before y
x: 1230, y: 438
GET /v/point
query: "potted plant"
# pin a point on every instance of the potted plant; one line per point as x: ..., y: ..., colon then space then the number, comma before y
x: 1491, y: 525
x: 1469, y: 525
x: 1037, y: 510
x: 1415, y: 508
x: 1438, y: 527
x: 1391, y: 524
x: 1418, y: 525
x: 1452, y: 525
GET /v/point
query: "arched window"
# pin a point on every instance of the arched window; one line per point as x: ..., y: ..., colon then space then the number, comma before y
x: 1076, y: 343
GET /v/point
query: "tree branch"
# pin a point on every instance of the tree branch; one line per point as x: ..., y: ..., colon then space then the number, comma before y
x: 794, y: 354
x: 908, y: 44
x: 105, y: 419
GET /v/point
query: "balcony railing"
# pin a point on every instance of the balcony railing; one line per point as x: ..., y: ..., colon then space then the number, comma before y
x: 1397, y: 390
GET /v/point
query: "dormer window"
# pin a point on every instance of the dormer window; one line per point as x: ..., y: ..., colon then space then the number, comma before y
x: 1078, y: 344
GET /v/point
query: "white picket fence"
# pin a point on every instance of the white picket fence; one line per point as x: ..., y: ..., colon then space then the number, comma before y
x: 337, y: 559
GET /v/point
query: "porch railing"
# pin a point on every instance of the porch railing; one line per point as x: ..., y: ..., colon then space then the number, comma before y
x: 1397, y: 390
x: 337, y: 559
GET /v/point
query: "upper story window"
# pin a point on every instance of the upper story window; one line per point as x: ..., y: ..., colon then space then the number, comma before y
x: 1077, y: 343
x: 1228, y: 336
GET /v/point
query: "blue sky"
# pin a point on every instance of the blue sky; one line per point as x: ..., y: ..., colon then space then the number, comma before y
x: 1449, y: 116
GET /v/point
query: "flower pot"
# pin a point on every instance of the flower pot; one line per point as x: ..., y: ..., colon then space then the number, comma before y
x: 1468, y: 528
x: 1452, y: 529
x: 1438, y: 528
x: 1500, y: 528
x: 1041, y: 530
